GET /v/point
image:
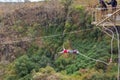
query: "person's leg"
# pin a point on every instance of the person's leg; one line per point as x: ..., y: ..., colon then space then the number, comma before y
x: 70, y: 51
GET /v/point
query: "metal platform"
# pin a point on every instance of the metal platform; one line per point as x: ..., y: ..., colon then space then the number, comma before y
x: 107, y: 19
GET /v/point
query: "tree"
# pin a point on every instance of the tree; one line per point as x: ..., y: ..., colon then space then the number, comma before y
x: 24, y: 66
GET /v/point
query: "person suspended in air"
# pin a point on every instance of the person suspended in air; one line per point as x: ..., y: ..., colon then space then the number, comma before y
x: 69, y: 51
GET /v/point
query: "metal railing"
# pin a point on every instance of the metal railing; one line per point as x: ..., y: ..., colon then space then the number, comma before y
x: 99, y: 14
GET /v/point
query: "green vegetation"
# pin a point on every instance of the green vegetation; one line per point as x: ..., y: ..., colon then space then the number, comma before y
x: 45, y: 62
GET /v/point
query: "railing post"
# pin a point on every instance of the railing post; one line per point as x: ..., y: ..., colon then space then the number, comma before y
x: 95, y: 15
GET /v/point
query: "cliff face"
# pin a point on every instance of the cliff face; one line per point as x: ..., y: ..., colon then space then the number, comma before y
x: 31, y: 15
x: 32, y: 36
x: 18, y: 22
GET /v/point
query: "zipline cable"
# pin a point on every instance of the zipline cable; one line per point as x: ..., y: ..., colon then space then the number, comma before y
x: 118, y: 47
x: 30, y: 39
x: 111, y: 41
x: 93, y: 59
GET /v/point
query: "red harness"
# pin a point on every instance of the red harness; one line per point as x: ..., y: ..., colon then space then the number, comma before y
x: 65, y: 51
